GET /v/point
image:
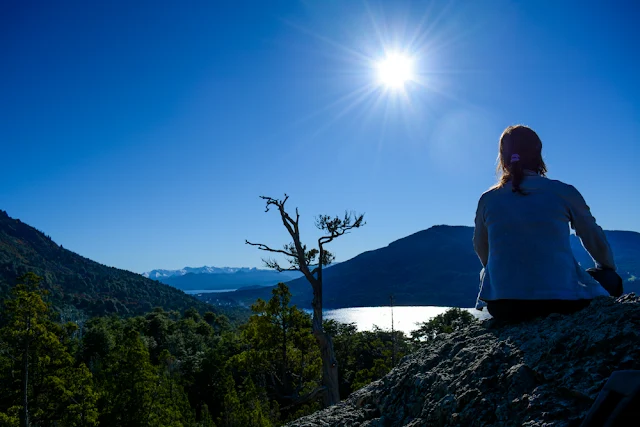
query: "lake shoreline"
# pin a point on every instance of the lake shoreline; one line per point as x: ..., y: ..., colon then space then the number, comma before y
x: 366, y: 318
x: 405, y: 318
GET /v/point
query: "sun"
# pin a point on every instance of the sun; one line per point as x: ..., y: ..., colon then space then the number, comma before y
x: 395, y: 70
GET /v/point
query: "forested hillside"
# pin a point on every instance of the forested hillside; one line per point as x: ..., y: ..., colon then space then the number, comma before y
x: 75, y: 281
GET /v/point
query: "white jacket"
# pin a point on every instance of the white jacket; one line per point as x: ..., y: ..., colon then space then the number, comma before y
x: 523, y: 242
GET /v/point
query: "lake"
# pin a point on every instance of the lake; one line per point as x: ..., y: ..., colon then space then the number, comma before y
x: 404, y: 318
x: 365, y: 318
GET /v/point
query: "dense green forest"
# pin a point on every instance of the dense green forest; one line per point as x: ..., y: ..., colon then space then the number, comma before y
x: 170, y: 368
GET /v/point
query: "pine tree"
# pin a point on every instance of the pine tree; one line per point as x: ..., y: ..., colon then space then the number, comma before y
x: 129, y: 384
x: 41, y: 380
x: 137, y: 393
x: 244, y: 407
x: 205, y: 417
x: 282, y: 356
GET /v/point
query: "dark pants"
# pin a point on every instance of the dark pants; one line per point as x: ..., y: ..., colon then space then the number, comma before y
x: 518, y: 310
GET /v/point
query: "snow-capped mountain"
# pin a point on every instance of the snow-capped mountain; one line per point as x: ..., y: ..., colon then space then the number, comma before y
x: 218, y: 278
x: 158, y: 274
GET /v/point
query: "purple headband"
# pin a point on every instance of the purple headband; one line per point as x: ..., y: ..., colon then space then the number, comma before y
x: 515, y: 158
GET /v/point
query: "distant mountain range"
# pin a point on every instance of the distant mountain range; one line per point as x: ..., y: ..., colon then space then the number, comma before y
x: 218, y: 278
x: 159, y: 274
x: 437, y: 266
x: 75, y: 281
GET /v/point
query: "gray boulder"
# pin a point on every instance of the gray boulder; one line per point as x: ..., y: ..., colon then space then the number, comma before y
x: 546, y: 372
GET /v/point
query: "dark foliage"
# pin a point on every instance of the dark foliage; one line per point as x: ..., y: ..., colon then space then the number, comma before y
x: 171, y: 369
x: 450, y: 321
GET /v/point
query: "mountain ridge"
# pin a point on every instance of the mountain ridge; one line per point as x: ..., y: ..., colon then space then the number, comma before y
x: 436, y: 266
x: 76, y: 281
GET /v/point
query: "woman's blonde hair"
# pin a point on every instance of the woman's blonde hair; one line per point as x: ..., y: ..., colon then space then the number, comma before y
x: 520, y: 148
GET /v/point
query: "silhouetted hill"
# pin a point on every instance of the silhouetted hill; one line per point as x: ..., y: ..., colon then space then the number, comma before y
x: 431, y: 267
x: 78, y: 281
x: 626, y: 250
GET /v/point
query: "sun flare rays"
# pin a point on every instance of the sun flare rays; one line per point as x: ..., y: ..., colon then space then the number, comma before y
x: 387, y: 67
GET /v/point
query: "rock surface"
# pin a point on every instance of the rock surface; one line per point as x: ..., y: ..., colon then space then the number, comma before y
x: 546, y: 372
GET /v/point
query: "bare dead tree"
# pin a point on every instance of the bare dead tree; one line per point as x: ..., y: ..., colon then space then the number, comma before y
x: 310, y: 263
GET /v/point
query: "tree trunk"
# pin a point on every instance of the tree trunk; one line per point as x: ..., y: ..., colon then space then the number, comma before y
x: 329, y: 362
x: 25, y: 381
x: 283, y: 374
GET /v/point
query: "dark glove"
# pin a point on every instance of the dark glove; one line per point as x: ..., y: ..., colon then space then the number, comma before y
x: 609, y: 279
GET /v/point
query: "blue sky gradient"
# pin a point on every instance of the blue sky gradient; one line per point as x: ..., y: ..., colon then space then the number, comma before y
x: 141, y: 135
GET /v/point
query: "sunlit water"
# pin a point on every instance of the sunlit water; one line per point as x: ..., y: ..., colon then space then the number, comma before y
x: 404, y: 318
x: 365, y: 318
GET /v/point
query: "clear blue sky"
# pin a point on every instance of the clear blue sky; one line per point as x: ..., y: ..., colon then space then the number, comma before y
x: 141, y: 136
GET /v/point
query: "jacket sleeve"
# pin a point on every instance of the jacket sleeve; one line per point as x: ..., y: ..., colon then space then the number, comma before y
x: 591, y: 235
x: 480, y: 235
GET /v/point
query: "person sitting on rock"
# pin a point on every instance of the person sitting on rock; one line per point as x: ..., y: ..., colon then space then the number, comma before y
x: 522, y: 238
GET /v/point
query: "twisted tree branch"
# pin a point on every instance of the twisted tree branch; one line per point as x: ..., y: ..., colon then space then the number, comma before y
x: 264, y: 247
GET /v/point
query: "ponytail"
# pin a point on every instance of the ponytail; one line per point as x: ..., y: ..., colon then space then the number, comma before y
x: 517, y: 174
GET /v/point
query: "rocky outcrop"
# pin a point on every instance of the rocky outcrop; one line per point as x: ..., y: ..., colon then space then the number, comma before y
x: 546, y: 372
